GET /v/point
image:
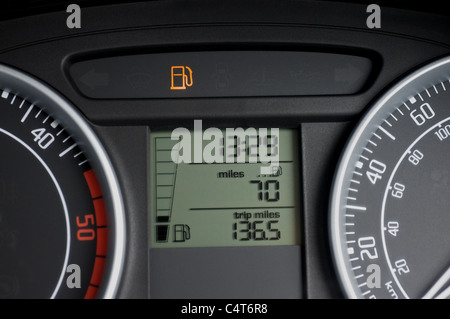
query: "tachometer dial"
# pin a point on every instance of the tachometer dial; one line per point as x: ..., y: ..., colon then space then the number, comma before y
x: 391, y: 195
x: 61, y: 215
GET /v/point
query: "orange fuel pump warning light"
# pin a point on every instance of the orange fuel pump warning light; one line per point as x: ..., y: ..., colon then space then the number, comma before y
x: 181, y: 77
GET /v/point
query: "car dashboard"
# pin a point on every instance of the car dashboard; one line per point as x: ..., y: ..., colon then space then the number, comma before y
x: 191, y: 149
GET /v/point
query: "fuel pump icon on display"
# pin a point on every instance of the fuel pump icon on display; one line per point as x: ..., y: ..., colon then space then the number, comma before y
x: 181, y: 233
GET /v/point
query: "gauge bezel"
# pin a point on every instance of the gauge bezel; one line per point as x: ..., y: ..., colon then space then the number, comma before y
x: 419, y: 80
x: 34, y: 90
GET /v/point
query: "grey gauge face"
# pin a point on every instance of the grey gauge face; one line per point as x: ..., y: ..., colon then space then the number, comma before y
x: 61, y: 214
x: 390, y: 205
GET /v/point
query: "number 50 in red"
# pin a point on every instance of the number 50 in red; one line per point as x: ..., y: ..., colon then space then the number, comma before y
x: 85, y: 233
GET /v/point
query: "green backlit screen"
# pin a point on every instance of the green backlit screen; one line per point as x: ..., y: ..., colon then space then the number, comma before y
x: 233, y: 202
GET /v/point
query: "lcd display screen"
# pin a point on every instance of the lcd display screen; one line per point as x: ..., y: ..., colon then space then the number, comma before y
x: 224, y: 188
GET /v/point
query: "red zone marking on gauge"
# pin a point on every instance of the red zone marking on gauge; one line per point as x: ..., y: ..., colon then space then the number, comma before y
x: 100, y: 216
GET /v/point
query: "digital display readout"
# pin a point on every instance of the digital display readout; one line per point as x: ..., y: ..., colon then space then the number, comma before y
x: 228, y: 202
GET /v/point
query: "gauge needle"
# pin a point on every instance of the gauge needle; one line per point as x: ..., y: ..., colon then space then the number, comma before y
x: 438, y: 285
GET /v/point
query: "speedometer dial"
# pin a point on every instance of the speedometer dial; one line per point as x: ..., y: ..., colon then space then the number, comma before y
x: 61, y: 215
x: 391, y: 196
